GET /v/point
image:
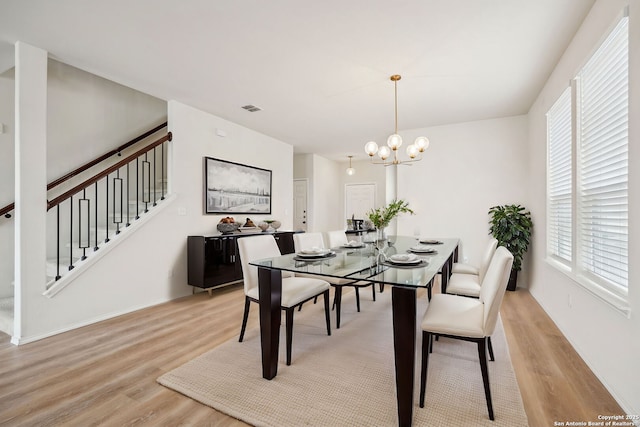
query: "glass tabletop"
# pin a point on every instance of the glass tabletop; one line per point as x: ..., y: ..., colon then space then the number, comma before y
x: 374, y: 261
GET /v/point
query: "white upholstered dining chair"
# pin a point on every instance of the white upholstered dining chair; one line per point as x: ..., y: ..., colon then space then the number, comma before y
x: 466, y: 279
x: 303, y: 241
x: 307, y: 241
x: 468, y: 319
x: 336, y: 238
x: 295, y: 290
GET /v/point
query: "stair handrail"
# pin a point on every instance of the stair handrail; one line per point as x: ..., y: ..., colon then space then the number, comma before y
x: 5, y: 210
x: 86, y: 183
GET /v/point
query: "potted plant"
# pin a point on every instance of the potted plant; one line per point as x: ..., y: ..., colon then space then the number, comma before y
x: 511, y: 226
x: 381, y: 217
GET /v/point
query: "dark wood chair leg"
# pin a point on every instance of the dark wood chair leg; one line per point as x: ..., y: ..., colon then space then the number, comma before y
x: 381, y: 287
x: 326, y: 311
x: 426, y: 348
x: 358, y: 298
x: 373, y: 291
x: 482, y: 355
x: 245, y: 316
x: 289, y: 326
x: 490, y: 349
x: 338, y: 301
x: 437, y: 338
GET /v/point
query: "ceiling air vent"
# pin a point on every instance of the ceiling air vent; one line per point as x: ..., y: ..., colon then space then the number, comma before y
x: 251, y: 108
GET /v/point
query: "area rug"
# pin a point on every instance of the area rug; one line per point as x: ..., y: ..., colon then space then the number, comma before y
x: 348, y: 379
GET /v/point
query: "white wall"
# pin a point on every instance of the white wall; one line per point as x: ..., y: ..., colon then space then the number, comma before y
x: 86, y: 117
x: 7, y: 183
x: 366, y: 173
x: 327, y: 176
x: 468, y: 168
x: 196, y: 137
x: 324, y: 211
x: 89, y: 115
x: 7, y: 89
x: 149, y: 266
x: 608, y: 341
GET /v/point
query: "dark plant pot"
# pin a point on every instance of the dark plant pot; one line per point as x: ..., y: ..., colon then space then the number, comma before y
x: 513, y: 279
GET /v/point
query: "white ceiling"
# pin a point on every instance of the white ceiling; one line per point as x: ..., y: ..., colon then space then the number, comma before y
x: 319, y: 69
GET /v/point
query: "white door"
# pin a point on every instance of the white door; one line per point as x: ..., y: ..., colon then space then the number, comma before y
x: 359, y: 199
x: 300, y: 204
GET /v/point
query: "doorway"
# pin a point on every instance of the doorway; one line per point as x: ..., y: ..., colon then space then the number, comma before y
x: 359, y: 199
x: 300, y: 190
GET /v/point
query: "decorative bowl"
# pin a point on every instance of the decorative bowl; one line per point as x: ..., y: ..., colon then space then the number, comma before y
x: 276, y: 224
x: 263, y: 226
x: 226, y: 228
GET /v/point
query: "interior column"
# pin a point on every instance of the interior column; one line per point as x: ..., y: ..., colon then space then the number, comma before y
x: 30, y: 183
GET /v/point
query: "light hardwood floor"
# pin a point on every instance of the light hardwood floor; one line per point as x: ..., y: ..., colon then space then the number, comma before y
x: 104, y: 374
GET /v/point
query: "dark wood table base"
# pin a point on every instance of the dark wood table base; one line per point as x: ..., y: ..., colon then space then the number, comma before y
x: 270, y: 291
x: 404, y: 346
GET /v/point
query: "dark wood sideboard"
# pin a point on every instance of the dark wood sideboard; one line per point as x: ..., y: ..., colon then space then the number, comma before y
x: 214, y: 261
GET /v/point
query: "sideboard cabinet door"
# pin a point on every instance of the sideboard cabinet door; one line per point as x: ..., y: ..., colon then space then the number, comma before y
x: 215, y: 260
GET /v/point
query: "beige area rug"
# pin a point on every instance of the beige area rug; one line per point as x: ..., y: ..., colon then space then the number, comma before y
x: 348, y: 379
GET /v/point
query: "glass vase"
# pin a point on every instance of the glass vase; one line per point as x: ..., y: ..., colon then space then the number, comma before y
x: 381, y: 238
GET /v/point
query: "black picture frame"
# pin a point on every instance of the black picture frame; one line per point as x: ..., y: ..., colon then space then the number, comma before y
x: 234, y: 188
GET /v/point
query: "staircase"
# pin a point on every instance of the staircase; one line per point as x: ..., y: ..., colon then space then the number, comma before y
x: 6, y: 315
x: 89, y: 231
x: 85, y: 213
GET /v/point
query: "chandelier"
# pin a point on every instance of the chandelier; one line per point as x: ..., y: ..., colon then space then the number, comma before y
x: 350, y: 170
x: 395, y: 141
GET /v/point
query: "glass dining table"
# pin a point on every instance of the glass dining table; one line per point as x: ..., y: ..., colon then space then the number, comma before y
x: 378, y: 262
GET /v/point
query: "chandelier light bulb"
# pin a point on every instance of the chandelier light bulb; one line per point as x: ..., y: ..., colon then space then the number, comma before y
x: 394, y: 141
x: 412, y: 151
x: 371, y: 148
x: 384, y: 152
x: 422, y: 143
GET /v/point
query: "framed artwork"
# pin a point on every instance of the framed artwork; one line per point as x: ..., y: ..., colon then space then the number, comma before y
x: 233, y: 188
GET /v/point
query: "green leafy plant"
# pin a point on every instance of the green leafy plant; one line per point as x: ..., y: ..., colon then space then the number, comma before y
x: 511, y: 226
x: 381, y: 217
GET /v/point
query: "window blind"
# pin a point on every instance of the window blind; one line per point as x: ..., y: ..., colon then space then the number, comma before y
x: 603, y: 162
x: 559, y: 179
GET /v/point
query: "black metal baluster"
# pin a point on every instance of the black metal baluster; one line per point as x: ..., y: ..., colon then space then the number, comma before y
x: 95, y: 248
x: 137, y: 187
x: 154, y: 176
x: 58, y: 242
x: 70, y: 233
x: 117, y: 198
x: 146, y: 183
x: 163, y: 174
x: 128, y: 198
x: 106, y: 220
x: 81, y: 239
